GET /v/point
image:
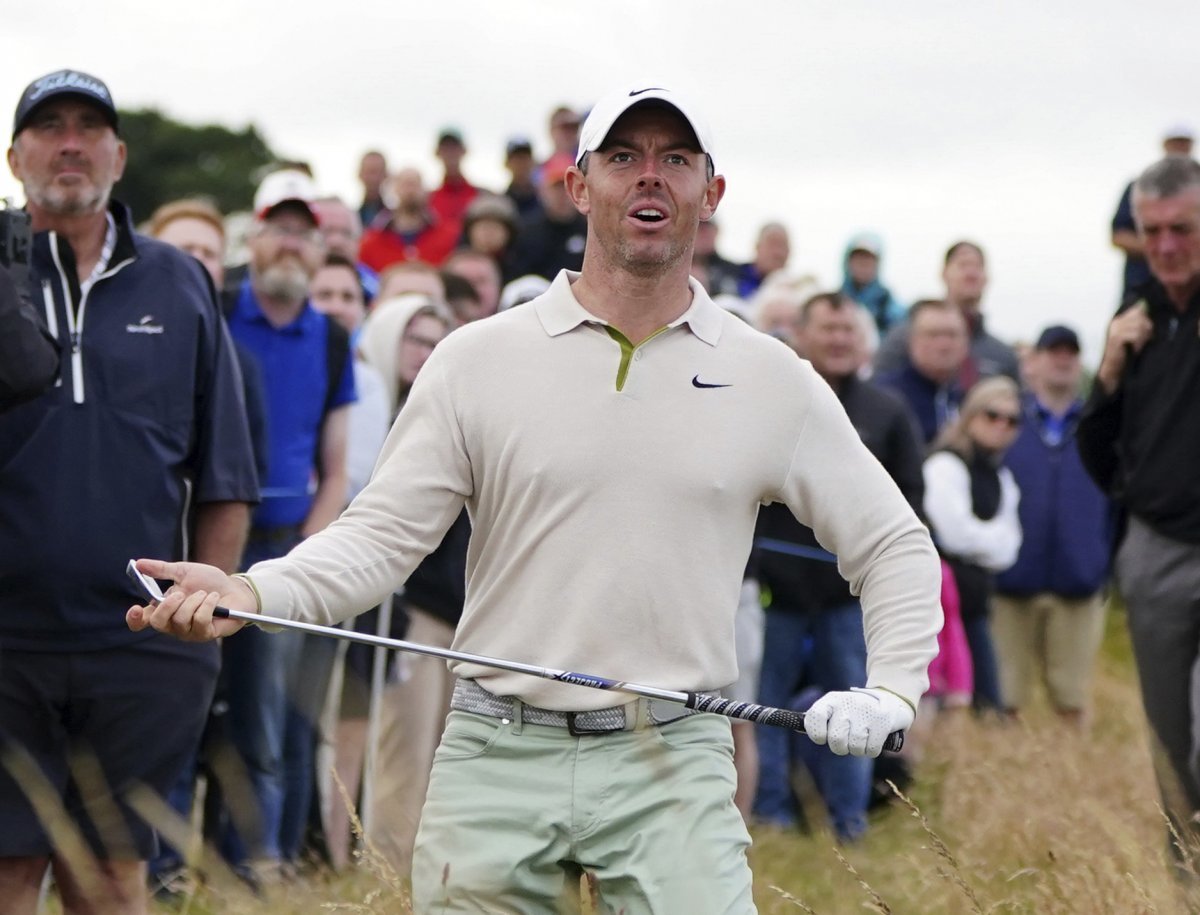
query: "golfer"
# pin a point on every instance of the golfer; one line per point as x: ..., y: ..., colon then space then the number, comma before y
x: 613, y: 440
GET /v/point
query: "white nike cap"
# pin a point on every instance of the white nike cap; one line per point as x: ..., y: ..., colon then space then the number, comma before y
x: 609, y: 108
x: 288, y: 185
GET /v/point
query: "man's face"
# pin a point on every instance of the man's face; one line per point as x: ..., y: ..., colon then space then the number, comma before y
x: 829, y: 339
x: 491, y: 236
x: 564, y: 131
x: 372, y: 172
x: 937, y: 344
x: 1170, y: 232
x: 1057, y: 368
x: 779, y: 316
x: 556, y: 201
x: 67, y: 158
x: 646, y: 191
x: 407, y: 191
x: 772, y: 250
x: 451, y: 153
x: 285, y: 252
x: 340, y: 228
x: 965, y: 276
x: 336, y: 291
x: 201, y: 240
x: 1177, y: 146
x: 863, y: 267
x: 400, y: 282
x: 484, y: 276
x: 520, y: 166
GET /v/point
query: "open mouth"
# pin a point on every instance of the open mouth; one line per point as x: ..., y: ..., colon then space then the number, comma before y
x: 649, y: 215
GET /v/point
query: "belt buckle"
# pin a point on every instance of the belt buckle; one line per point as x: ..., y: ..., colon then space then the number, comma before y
x: 576, y: 731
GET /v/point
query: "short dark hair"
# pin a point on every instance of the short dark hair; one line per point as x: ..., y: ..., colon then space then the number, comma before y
x: 458, y: 287
x: 922, y: 305
x: 835, y: 300
x: 963, y: 245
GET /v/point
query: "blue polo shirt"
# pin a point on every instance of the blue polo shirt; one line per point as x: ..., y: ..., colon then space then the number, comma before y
x: 294, y: 364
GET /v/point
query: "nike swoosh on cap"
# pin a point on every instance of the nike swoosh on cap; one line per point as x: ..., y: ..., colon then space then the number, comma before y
x: 697, y: 383
x: 647, y: 89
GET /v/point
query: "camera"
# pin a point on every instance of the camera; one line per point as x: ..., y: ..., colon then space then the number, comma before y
x: 16, y: 241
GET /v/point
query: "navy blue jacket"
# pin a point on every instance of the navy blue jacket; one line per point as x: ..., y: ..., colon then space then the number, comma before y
x: 146, y: 420
x: 1066, y: 521
x: 933, y: 406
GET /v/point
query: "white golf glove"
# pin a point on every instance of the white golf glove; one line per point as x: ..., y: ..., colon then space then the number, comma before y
x: 857, y: 722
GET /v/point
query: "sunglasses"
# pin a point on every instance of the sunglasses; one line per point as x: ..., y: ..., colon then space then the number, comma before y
x: 1011, y: 419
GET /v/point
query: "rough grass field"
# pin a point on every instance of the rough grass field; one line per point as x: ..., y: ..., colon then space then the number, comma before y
x: 1018, y: 818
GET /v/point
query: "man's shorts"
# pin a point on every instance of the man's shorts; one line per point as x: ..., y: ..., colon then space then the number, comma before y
x: 79, y: 731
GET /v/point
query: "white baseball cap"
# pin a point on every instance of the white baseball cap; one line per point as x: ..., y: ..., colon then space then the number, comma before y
x: 608, y: 109
x: 1179, y: 131
x: 286, y: 186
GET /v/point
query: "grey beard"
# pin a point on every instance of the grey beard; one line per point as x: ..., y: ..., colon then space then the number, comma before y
x: 283, y: 283
x: 71, y: 205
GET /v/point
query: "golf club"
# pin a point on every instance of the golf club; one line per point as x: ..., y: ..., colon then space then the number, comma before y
x: 748, y: 711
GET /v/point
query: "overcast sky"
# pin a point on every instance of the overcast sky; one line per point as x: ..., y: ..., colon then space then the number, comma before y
x: 1016, y: 124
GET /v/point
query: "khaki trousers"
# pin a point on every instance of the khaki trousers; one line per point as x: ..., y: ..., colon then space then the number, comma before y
x: 412, y: 717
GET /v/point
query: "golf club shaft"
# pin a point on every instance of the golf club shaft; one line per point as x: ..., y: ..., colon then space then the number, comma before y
x: 748, y: 711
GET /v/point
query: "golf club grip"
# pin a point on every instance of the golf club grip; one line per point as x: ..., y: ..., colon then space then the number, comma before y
x: 765, y: 714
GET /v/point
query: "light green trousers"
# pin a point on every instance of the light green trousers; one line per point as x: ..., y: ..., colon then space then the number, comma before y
x: 516, y: 813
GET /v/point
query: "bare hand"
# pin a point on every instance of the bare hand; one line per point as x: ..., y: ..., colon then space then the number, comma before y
x: 1128, y: 331
x: 186, y: 610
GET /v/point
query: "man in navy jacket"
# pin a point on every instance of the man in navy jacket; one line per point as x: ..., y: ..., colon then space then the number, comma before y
x: 1048, y: 611
x: 140, y: 446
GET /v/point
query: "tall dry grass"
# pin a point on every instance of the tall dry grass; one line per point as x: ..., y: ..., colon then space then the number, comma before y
x: 1011, y: 818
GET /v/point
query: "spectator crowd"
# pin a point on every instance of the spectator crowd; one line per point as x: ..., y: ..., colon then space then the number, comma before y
x: 264, y: 417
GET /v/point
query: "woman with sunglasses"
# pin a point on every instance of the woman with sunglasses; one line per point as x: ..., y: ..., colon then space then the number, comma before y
x: 971, y: 506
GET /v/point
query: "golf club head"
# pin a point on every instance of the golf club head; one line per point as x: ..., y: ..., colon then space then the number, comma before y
x: 147, y: 585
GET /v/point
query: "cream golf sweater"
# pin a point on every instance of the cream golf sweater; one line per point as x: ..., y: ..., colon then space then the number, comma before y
x: 613, y: 494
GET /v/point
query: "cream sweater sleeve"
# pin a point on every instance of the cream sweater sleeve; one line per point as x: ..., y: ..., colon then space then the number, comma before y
x: 837, y: 487
x: 419, y: 486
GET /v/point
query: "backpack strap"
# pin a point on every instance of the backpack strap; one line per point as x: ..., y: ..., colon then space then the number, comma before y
x: 337, y: 354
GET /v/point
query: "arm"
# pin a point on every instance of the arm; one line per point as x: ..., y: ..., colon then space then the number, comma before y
x: 28, y: 355
x: 1124, y: 229
x: 1097, y: 436
x: 330, y: 497
x: 948, y: 508
x: 1100, y: 423
x: 418, y: 489
x: 220, y: 537
x: 1127, y: 240
x: 835, y: 486
x: 421, y: 482
x: 1007, y: 543
x: 1128, y: 332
